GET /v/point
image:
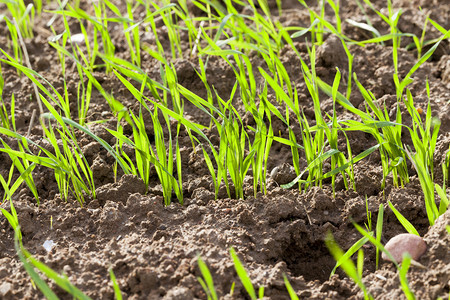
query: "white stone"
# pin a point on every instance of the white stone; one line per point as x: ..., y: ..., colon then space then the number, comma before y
x: 77, y: 38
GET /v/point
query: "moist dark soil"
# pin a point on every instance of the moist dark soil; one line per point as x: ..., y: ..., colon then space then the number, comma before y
x: 153, y: 248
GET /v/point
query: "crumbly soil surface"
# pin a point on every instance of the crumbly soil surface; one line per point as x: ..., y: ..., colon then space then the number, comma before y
x: 153, y: 248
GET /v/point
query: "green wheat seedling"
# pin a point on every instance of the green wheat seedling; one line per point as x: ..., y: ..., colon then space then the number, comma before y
x: 131, y: 31
x: 101, y: 16
x: 392, y: 20
x: 84, y: 92
x: 401, y: 85
x: 263, y: 134
x: 446, y: 169
x: 4, y: 113
x: 314, y: 141
x: 163, y: 157
x: 423, y: 135
x: 22, y: 165
x: 237, y: 162
x: 245, y: 279
x: 206, y: 282
x: 169, y: 83
x: 427, y: 186
x: 290, y: 101
x: 355, y: 273
x: 37, y: 270
x: 402, y: 268
x: 24, y: 168
x: 362, y: 241
x: 339, y: 159
x: 245, y: 32
x: 72, y: 164
x: 405, y: 223
x: 290, y: 289
x: 22, y: 14
x: 347, y: 264
x: 262, y: 143
x: 236, y: 151
x: 63, y: 162
x: 14, y: 42
x: 117, y: 292
x: 317, y: 27
x: 99, y: 23
x: 424, y: 138
x: 233, y: 145
x: 173, y: 29
x: 9, y: 189
x: 379, y: 231
x: 114, y: 105
x: 393, y: 158
x: 71, y: 169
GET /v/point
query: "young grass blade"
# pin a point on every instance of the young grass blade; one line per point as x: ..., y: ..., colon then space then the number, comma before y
x: 60, y: 280
x: 364, y: 26
x: 406, y: 224
x: 379, y: 230
x: 208, y: 281
x: 40, y: 283
x: 427, y: 186
x: 402, y: 275
x: 289, y: 288
x: 316, y: 162
x: 360, y: 262
x: 444, y: 199
x: 117, y: 292
x: 111, y: 151
x: 347, y: 264
x: 243, y: 276
x: 352, y: 250
x: 306, y: 30
x: 423, y: 59
x: 376, y: 243
x: 13, y: 220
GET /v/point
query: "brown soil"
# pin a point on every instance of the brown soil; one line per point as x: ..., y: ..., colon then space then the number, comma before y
x: 153, y: 249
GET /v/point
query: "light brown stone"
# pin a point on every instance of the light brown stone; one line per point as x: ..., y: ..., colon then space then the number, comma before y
x: 405, y: 242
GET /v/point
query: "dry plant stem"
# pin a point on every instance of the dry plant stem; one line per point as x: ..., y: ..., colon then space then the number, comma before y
x: 197, y: 39
x: 417, y: 264
x: 33, y: 117
x: 304, y: 206
x: 27, y: 61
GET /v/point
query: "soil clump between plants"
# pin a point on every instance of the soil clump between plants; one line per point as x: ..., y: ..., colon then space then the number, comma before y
x: 153, y: 249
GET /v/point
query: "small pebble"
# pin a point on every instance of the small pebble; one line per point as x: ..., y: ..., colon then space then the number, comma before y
x: 77, y: 38
x: 405, y: 242
x: 48, y: 245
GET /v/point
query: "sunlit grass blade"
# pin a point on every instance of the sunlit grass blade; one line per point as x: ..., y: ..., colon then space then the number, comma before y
x: 208, y: 283
x: 406, y: 224
x: 379, y: 231
x: 346, y: 264
x: 243, y: 276
x: 117, y: 292
x: 349, y: 253
x: 404, y: 267
x: 289, y: 288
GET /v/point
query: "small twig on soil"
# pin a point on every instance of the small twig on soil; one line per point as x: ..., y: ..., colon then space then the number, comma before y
x: 304, y: 206
x: 27, y: 61
x: 417, y: 264
x: 33, y: 116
